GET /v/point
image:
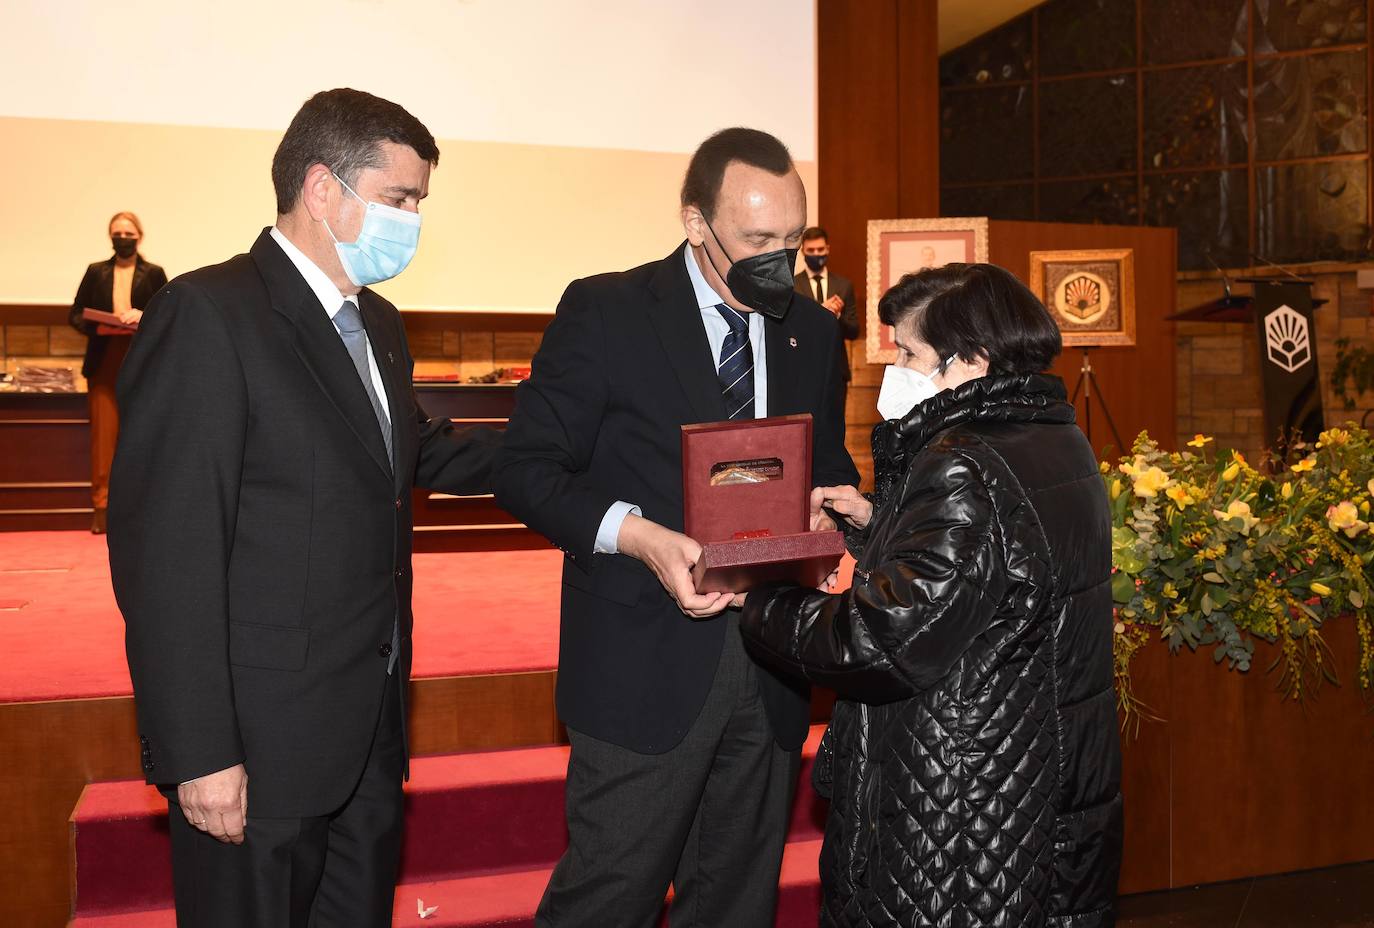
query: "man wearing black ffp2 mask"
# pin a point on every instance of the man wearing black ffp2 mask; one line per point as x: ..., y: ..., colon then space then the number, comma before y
x: 761, y: 282
x: 684, y: 752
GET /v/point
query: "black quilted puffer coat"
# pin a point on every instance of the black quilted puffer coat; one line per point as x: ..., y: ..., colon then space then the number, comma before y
x: 973, y: 762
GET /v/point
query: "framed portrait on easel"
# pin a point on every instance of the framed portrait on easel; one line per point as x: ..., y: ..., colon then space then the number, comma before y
x: 897, y: 247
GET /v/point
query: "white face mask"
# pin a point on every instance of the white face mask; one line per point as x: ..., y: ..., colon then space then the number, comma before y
x: 903, y: 389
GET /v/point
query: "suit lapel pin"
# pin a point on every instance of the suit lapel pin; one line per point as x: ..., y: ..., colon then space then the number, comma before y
x: 390, y: 358
x: 792, y: 341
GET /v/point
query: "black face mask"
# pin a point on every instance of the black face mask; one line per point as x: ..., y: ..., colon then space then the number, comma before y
x: 762, y: 282
x: 124, y: 247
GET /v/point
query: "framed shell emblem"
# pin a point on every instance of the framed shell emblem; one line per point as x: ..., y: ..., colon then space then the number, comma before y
x: 1090, y: 294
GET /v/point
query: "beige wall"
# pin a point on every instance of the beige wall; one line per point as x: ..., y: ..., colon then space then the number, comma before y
x: 506, y: 225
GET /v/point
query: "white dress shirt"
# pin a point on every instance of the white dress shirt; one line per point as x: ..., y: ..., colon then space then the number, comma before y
x: 608, y: 535
x: 811, y: 275
x: 332, y: 301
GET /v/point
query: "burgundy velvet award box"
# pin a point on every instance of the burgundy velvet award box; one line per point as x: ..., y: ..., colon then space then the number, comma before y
x: 746, y: 498
x: 107, y: 323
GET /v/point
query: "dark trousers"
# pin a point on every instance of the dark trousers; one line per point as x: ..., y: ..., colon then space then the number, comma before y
x: 331, y: 871
x: 708, y: 817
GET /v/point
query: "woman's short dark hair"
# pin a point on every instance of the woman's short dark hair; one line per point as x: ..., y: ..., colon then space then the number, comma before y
x: 343, y: 129
x: 976, y: 310
x: 701, y: 186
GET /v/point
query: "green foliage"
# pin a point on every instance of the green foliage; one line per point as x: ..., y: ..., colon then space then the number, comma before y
x: 1354, y: 369
x: 1209, y: 552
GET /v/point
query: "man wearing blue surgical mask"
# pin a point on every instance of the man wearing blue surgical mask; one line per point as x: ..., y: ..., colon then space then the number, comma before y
x: 260, y: 534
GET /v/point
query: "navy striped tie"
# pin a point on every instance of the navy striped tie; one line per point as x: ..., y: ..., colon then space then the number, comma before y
x: 736, y: 369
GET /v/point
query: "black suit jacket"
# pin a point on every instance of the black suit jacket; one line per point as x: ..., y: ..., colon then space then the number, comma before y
x: 97, y: 292
x: 844, y: 288
x: 259, y: 537
x: 624, y: 364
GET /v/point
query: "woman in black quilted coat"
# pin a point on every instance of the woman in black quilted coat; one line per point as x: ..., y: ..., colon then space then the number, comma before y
x: 972, y: 763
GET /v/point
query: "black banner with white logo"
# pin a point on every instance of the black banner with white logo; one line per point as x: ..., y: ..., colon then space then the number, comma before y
x: 1288, y: 362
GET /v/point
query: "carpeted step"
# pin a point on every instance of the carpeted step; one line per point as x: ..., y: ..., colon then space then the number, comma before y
x: 507, y: 806
x: 508, y: 900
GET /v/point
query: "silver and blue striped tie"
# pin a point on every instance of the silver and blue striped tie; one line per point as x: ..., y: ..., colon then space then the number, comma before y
x: 736, y: 368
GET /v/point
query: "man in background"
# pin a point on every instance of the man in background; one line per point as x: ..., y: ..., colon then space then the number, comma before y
x: 832, y: 291
x: 684, y: 752
x: 260, y: 535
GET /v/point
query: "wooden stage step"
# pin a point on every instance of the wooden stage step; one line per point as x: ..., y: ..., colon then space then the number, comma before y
x: 482, y: 831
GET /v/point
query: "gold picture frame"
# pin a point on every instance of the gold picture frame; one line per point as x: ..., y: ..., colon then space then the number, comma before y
x: 901, y: 246
x: 1090, y: 294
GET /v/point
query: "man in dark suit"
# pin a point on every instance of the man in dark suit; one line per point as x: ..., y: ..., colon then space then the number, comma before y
x: 832, y: 291
x: 684, y: 753
x: 260, y: 534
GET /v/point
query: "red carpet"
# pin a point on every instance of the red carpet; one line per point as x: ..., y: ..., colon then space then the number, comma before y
x: 475, y: 613
x: 482, y: 832
x: 483, y: 829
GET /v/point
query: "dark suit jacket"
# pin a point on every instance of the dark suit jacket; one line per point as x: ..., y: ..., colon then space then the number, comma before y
x: 849, y: 316
x: 259, y: 539
x: 97, y: 292
x: 624, y: 364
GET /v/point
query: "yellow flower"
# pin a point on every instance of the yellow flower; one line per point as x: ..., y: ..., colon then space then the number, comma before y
x: 1147, y: 483
x: 1170, y: 591
x: 1287, y: 491
x: 1199, y: 441
x: 1131, y: 468
x: 1230, y: 472
x: 1345, y: 517
x: 1181, y: 497
x: 1370, y: 486
x: 1364, y: 508
x: 1104, y: 467
x: 1305, y: 464
x: 1116, y: 488
x: 1333, y: 437
x: 1239, y: 509
x: 1321, y: 589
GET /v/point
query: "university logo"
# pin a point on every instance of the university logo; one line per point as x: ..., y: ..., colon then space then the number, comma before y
x: 1287, y: 339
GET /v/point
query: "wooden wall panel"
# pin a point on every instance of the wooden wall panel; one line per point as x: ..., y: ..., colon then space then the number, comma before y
x: 918, y: 108
x: 879, y: 150
x: 1261, y: 785
x: 1137, y: 383
x: 1145, y: 780
x: 53, y: 749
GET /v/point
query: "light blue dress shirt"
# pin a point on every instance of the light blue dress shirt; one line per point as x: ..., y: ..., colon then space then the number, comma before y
x: 608, y: 535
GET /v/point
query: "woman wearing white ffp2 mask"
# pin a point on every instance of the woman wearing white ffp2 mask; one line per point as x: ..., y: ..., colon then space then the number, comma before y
x: 906, y: 384
x: 983, y: 583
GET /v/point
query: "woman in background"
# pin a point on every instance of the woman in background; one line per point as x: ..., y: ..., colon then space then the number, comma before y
x: 972, y: 761
x: 122, y: 285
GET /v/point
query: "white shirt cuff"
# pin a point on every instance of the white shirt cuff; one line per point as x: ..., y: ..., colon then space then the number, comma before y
x: 608, y: 535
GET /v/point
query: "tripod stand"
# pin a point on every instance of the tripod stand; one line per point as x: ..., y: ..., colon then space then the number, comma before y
x: 1086, y: 382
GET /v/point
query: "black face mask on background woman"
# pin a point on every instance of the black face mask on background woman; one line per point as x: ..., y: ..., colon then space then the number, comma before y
x: 124, y: 247
x: 761, y: 282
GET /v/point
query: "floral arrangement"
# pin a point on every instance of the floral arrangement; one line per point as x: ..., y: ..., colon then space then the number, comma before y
x: 1210, y: 551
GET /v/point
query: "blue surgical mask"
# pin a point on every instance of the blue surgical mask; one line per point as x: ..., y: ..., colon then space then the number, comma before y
x: 385, y: 244
x: 815, y: 262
